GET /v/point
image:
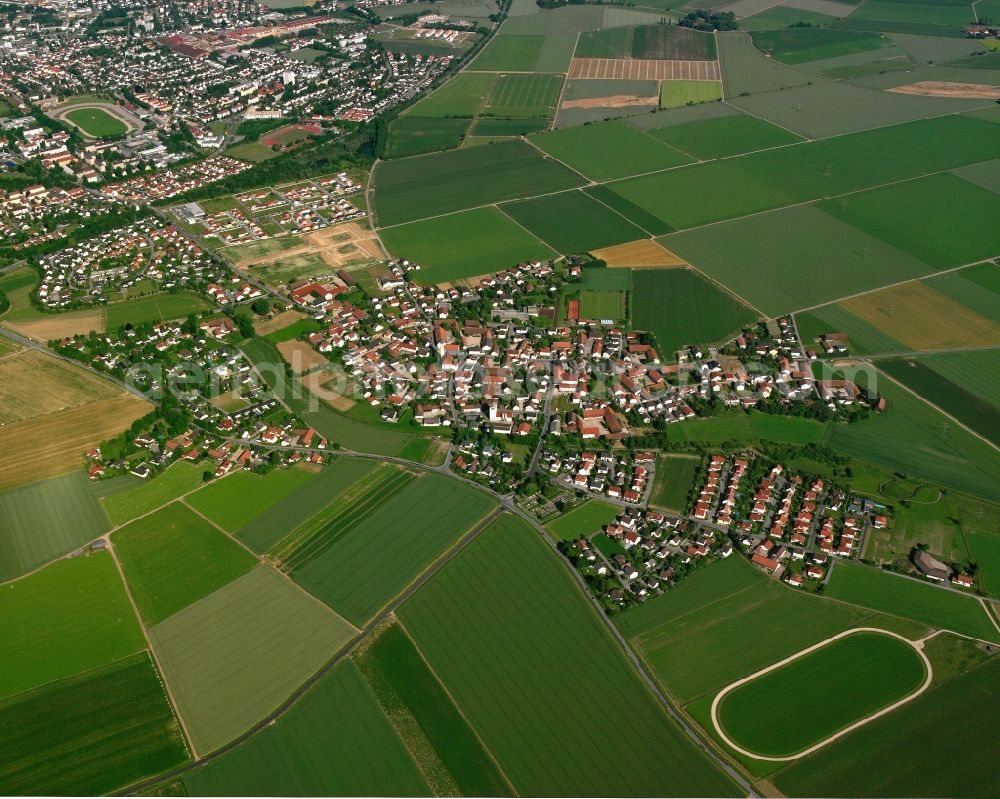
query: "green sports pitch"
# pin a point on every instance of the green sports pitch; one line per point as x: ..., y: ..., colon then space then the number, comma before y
x: 96, y: 123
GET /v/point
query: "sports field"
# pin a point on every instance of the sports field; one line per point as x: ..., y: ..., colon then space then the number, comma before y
x: 45, y: 520
x: 90, y: 734
x: 429, y: 185
x: 453, y: 759
x: 601, y: 305
x: 236, y: 501
x: 234, y: 656
x: 97, y: 123
x: 572, y: 222
x: 934, y: 745
x: 609, y: 150
x: 371, y: 543
x: 713, y: 632
x: 583, y: 520
x: 850, y: 679
x: 680, y: 307
x: 530, y: 641
x: 723, y: 137
x: 795, y: 273
x: 154, y: 308
x: 465, y: 244
x: 304, y: 754
x: 911, y: 599
x: 914, y: 439
x: 70, y: 616
x: 676, y: 93
x: 173, y: 557
x: 176, y: 480
x: 523, y: 96
x: 674, y: 479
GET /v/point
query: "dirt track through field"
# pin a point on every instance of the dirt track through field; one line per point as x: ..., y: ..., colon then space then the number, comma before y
x: 615, y: 101
x: 642, y: 69
x: 940, y: 88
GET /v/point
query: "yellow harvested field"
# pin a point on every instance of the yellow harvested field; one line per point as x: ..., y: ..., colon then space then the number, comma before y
x: 54, y: 444
x: 302, y: 357
x: 34, y: 384
x: 277, y: 322
x: 922, y: 318
x: 61, y: 325
x: 644, y: 252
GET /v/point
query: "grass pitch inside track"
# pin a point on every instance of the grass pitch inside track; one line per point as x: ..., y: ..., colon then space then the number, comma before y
x: 932, y: 746
x: 97, y: 123
x: 334, y: 742
x: 609, y: 150
x: 239, y: 499
x: 429, y: 185
x: 466, y: 244
x: 849, y: 679
x: 530, y: 643
x: 236, y: 655
x: 572, y: 222
x: 923, y: 602
x: 177, y: 479
x: 89, y: 734
x: 41, y: 521
x: 71, y: 616
x: 384, y: 542
x: 173, y: 557
x: 662, y: 303
x: 417, y: 705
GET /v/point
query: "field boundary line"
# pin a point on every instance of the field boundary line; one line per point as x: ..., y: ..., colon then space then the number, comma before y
x: 598, y: 199
x: 590, y: 182
x: 461, y: 712
x: 700, y: 607
x: 850, y: 728
x: 566, y: 79
x: 535, y: 236
x: 75, y: 674
x: 944, y: 413
x: 175, y: 707
x: 992, y: 617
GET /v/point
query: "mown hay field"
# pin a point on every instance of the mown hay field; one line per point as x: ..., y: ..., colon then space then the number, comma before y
x: 69, y: 617
x: 173, y: 557
x: 529, y: 641
x: 33, y: 384
x: 234, y: 656
x: 307, y: 753
x: 90, y: 734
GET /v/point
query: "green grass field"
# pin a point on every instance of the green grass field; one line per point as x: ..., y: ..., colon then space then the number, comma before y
x: 174, y: 481
x: 965, y: 385
x: 509, y: 54
x: 719, y: 642
x: 96, y: 123
x: 677, y: 93
x: 911, y: 599
x: 234, y: 656
x: 942, y: 220
x: 723, y: 137
x: 932, y: 746
x: 530, y: 642
x: 173, y: 557
x: 915, y: 439
x: 602, y: 305
x: 674, y: 478
x: 743, y: 428
x: 90, y: 734
x: 977, y: 287
x: 609, y: 150
x: 367, y: 553
x: 414, y: 700
x: 70, y: 616
x: 801, y: 45
x: 492, y: 126
x: 583, y: 520
x: 797, y: 274
x: 571, y: 222
x: 239, y: 499
x: 429, y: 185
x: 153, y: 308
x: 850, y: 678
x: 523, y: 96
x: 680, y: 307
x: 464, y: 244
x: 304, y: 754
x: 44, y: 520
x: 410, y: 135
x: 459, y: 97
